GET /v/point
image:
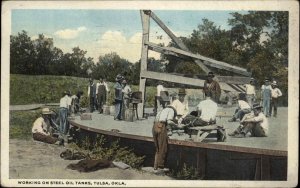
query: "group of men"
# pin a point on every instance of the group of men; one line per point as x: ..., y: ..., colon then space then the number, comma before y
x: 47, y: 130
x: 252, y: 116
x: 97, y: 94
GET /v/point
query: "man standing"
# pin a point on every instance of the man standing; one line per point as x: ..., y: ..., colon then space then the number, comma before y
x: 75, y: 102
x: 101, y: 92
x: 274, y: 101
x: 250, y: 92
x: 212, y: 86
x: 64, y: 109
x: 266, y: 93
x: 256, y: 124
x: 159, y: 89
x: 163, y: 120
x: 118, y: 97
x: 126, y: 94
x: 41, y: 129
x: 92, y: 95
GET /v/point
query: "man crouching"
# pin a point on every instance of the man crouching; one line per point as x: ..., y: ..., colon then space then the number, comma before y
x: 163, y: 120
x: 256, y: 124
x: 41, y: 128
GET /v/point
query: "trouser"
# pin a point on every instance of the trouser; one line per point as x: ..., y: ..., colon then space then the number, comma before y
x: 118, y: 108
x: 44, y: 138
x: 101, y: 102
x: 63, y: 122
x: 250, y: 99
x: 241, y: 112
x: 254, y: 128
x: 93, y: 102
x: 274, y: 104
x: 160, y: 136
x: 266, y: 106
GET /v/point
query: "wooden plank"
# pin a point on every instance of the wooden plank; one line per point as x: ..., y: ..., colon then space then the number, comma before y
x: 201, y: 162
x: 180, y: 79
x: 180, y: 44
x: 265, y: 168
x: 144, y: 58
x: 234, y: 79
x: 206, y: 60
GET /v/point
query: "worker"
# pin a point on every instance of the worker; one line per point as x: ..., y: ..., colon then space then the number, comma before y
x: 92, y: 95
x: 101, y: 92
x: 42, y: 129
x: 250, y: 92
x: 266, y: 93
x: 211, y: 85
x: 181, y: 105
x: 243, y: 108
x: 207, y: 111
x: 164, y: 119
x: 64, y: 110
x: 75, y: 102
x: 256, y: 124
x: 118, y: 97
x: 276, y: 93
x: 126, y: 94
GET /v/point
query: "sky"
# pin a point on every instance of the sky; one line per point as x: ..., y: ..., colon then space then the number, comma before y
x: 104, y: 31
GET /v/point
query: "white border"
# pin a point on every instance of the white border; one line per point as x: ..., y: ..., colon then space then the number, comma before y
x: 293, y: 108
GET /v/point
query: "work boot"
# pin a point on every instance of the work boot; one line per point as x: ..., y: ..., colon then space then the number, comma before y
x: 232, y: 119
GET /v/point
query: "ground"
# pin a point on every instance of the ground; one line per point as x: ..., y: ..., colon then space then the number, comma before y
x: 35, y: 160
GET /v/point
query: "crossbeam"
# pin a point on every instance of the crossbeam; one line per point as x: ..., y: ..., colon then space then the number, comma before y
x: 206, y: 60
x: 180, y: 79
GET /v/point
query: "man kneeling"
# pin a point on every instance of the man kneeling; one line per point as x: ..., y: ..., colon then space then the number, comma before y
x: 256, y: 124
x: 41, y: 128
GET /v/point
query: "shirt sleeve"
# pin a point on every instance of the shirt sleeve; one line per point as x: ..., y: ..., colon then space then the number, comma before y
x: 170, y: 115
x: 258, y: 118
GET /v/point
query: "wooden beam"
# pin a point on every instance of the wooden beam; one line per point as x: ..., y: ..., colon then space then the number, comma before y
x: 206, y: 60
x: 177, y: 40
x: 241, y: 80
x: 180, y: 79
x: 144, y: 58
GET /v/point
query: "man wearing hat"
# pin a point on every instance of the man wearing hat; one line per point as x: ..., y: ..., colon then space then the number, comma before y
x: 41, y: 129
x: 212, y: 86
x: 101, y: 91
x: 64, y: 110
x: 118, y: 97
x: 266, y: 93
x: 92, y: 95
x: 250, y: 92
x: 274, y: 101
x: 181, y: 105
x: 163, y: 121
x: 256, y: 124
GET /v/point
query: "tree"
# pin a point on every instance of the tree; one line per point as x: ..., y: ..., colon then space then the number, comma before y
x: 21, y: 54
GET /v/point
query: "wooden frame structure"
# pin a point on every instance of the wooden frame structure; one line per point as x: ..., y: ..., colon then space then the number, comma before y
x: 227, y: 83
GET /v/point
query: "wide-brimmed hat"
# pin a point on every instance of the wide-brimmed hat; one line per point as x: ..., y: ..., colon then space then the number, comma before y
x: 181, y: 91
x: 274, y: 83
x: 211, y: 74
x: 124, y: 81
x: 256, y: 106
x: 46, y: 111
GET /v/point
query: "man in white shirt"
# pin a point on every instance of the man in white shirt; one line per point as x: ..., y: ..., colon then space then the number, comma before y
x: 250, y: 92
x: 243, y: 108
x: 164, y: 119
x: 126, y: 94
x: 256, y: 124
x: 159, y: 89
x: 64, y: 109
x: 207, y: 110
x: 101, y: 92
x: 274, y: 101
x: 181, y: 105
x: 41, y: 129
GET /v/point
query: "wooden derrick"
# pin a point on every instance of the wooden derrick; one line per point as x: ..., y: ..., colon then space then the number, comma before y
x: 227, y: 83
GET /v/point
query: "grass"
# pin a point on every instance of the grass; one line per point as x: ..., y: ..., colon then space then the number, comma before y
x: 41, y: 89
